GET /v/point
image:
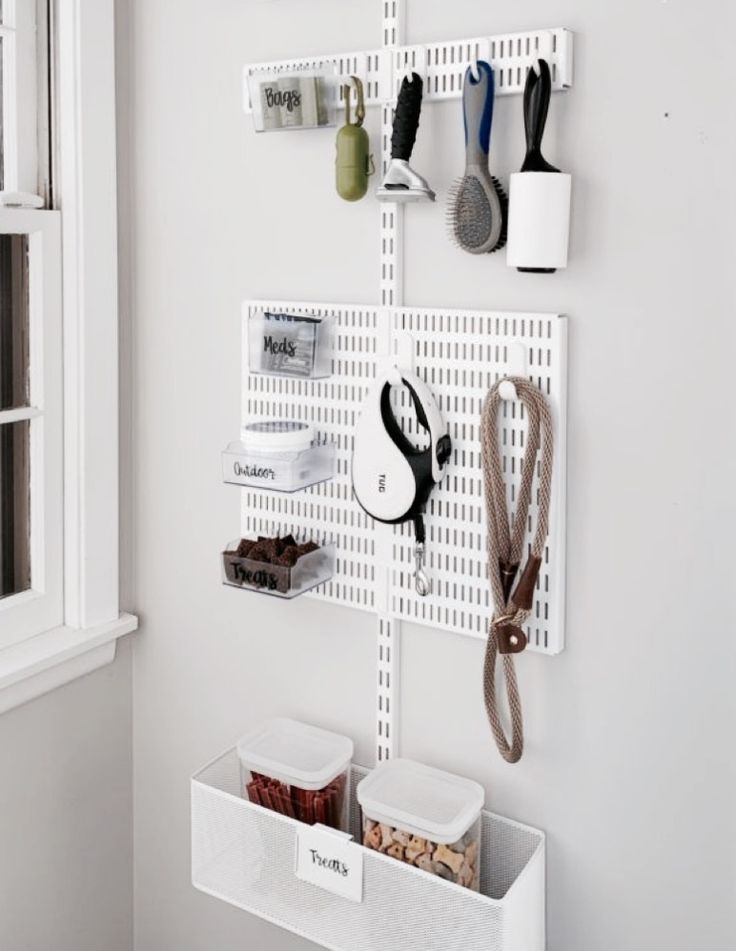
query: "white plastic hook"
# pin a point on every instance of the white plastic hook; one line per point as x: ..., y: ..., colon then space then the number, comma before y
x: 516, y: 363
x: 545, y: 50
x: 483, y: 54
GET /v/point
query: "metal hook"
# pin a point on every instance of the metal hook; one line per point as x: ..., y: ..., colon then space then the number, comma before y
x: 360, y: 95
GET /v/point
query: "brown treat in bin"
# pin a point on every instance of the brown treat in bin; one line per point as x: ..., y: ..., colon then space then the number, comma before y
x: 453, y: 860
x: 271, y: 548
x: 307, y: 547
x: 254, y: 792
x: 259, y: 552
x: 396, y: 851
x: 288, y: 541
x: 244, y: 547
x: 372, y: 838
x: 320, y: 809
x: 288, y: 557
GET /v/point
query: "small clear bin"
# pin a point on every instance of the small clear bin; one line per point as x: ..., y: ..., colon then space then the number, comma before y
x: 424, y: 817
x: 290, y: 345
x: 303, y: 100
x: 298, y: 770
x: 287, y: 573
x: 278, y: 454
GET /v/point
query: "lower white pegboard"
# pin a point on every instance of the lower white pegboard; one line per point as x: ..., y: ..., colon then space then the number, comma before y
x: 460, y: 354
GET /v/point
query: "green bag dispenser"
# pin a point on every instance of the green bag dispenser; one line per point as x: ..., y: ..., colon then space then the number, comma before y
x: 354, y: 162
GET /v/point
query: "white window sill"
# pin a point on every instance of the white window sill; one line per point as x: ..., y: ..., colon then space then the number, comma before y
x: 56, y: 657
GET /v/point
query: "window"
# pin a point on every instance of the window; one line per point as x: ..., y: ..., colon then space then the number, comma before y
x: 59, y: 610
x: 31, y: 478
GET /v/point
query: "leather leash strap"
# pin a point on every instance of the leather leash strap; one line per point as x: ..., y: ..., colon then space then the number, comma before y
x: 513, y: 599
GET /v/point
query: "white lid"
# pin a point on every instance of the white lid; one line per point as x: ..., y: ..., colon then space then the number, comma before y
x: 418, y: 799
x: 295, y: 753
x: 277, y: 434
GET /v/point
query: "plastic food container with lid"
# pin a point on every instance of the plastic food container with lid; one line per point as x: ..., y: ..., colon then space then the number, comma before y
x: 278, y: 454
x: 424, y: 817
x: 298, y: 770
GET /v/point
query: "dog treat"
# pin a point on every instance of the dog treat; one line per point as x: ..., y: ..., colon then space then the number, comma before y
x: 282, y: 553
x: 456, y: 863
x: 244, y: 547
x: 309, y: 806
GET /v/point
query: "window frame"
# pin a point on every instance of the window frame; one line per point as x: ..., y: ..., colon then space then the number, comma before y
x: 41, y: 607
x: 85, y: 192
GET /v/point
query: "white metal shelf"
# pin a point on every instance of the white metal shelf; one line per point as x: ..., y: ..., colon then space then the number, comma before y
x: 441, y: 65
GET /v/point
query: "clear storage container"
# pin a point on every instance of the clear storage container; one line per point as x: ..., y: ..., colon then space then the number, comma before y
x: 278, y: 454
x: 303, y: 100
x: 290, y: 345
x: 298, y: 770
x: 424, y: 817
x: 289, y: 573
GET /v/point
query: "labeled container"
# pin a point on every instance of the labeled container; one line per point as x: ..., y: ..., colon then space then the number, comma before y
x: 298, y: 770
x: 303, y: 100
x: 290, y: 345
x: 278, y: 454
x: 249, y: 564
x: 424, y: 817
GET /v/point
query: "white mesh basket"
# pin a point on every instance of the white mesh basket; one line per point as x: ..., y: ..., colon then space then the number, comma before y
x: 245, y: 855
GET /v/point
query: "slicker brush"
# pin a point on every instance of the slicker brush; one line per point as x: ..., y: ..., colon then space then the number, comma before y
x: 477, y: 207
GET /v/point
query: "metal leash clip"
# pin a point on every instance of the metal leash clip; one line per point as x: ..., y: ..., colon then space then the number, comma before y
x: 422, y: 582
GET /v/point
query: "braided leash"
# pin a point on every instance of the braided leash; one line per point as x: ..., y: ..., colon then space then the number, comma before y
x: 505, y: 550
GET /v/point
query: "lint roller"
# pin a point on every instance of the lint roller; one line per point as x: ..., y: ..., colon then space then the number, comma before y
x: 539, y: 195
x: 392, y: 479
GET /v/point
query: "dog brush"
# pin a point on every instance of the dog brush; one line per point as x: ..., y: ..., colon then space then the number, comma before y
x: 477, y: 204
x: 401, y: 183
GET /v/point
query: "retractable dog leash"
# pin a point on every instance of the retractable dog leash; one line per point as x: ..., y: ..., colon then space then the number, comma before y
x: 513, y: 599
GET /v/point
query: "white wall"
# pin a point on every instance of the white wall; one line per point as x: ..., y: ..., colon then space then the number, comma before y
x: 66, y: 822
x: 629, y: 765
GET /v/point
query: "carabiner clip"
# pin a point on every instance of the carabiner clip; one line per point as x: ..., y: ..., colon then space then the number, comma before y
x: 360, y: 106
x: 422, y: 582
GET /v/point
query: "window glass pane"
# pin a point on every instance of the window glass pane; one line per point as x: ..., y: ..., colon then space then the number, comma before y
x: 14, y: 321
x: 15, y: 515
x: 2, y: 107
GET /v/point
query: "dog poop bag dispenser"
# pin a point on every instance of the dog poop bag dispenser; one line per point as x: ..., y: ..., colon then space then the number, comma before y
x: 354, y: 162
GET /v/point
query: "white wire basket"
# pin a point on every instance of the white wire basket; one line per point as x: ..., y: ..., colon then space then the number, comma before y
x: 244, y: 854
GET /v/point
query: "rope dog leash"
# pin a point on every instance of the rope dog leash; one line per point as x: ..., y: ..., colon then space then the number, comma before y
x: 506, y: 548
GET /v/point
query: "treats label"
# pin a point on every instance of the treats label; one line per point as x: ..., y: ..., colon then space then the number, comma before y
x: 330, y: 860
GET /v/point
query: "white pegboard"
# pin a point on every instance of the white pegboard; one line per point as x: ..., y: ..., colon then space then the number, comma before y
x: 460, y: 354
x: 441, y: 65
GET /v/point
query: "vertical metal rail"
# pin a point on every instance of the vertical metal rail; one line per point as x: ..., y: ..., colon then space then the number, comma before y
x: 392, y: 289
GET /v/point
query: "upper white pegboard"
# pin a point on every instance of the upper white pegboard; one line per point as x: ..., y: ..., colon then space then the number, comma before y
x: 460, y: 354
x: 441, y: 65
